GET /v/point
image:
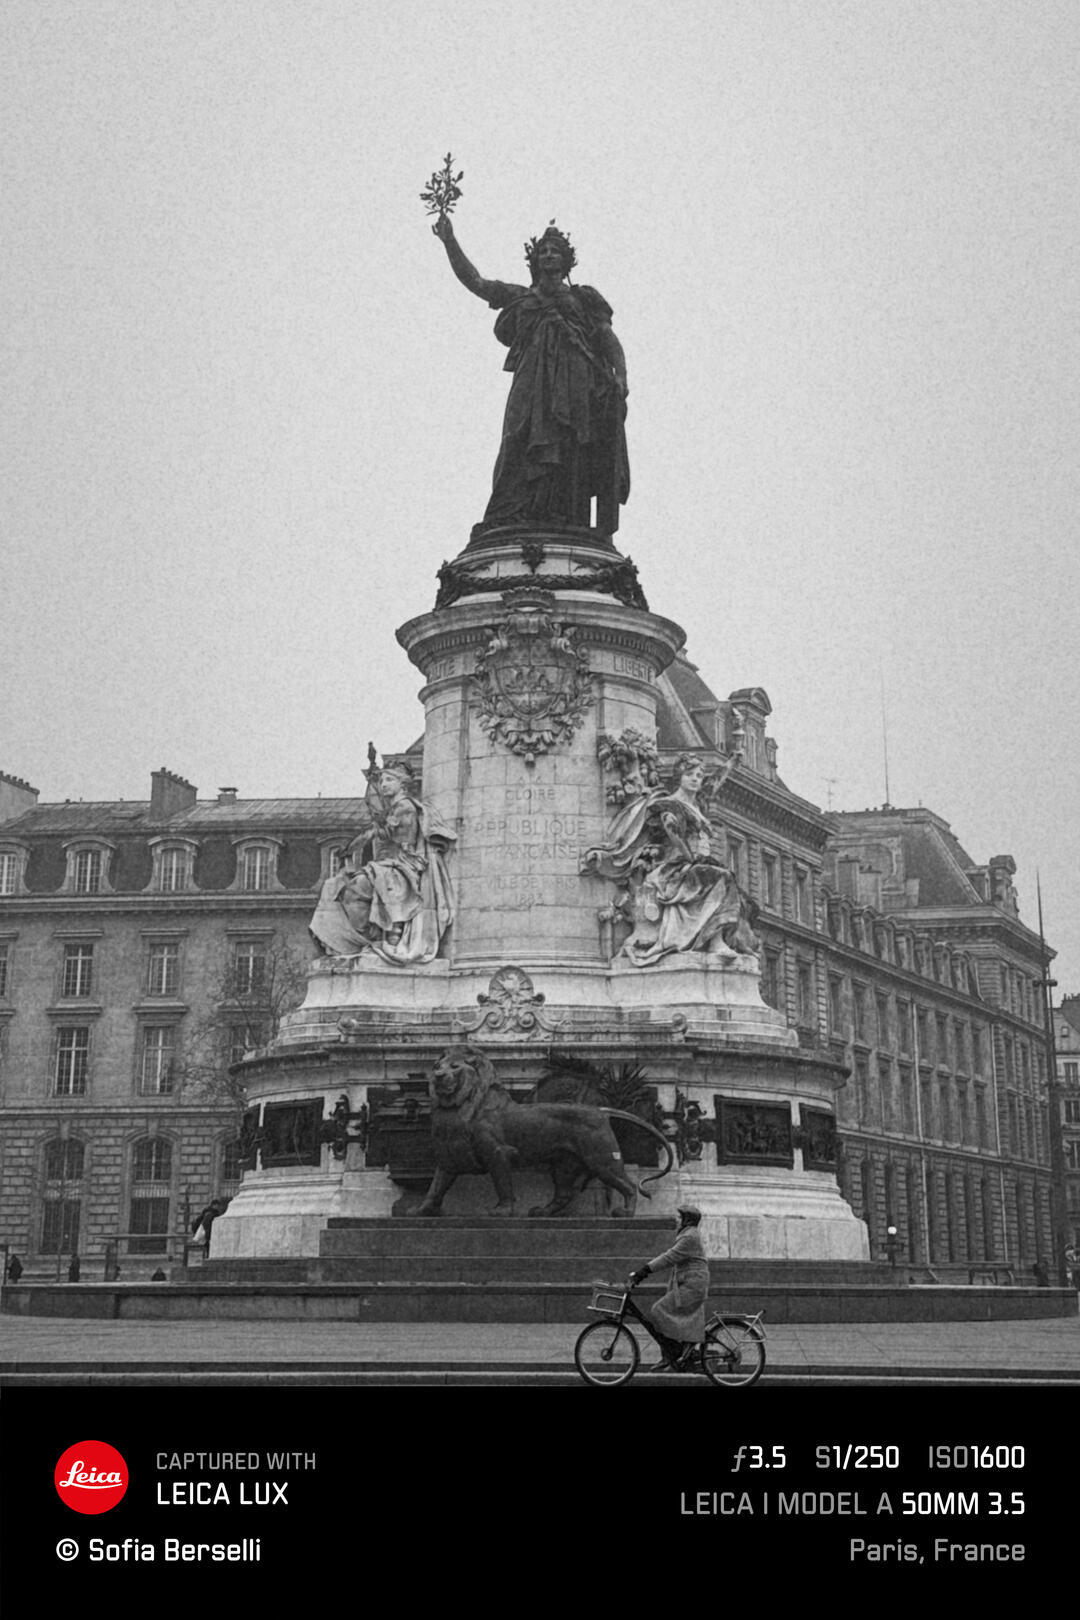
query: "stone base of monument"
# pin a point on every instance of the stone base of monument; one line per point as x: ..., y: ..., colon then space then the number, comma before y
x: 749, y: 1214
x: 465, y: 1268
x: 749, y: 1113
x: 472, y: 1276
x: 513, y: 1269
x: 693, y: 994
x: 476, y: 1251
x: 287, y: 1215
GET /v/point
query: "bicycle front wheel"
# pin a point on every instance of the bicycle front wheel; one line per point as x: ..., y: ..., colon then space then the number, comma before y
x: 733, y: 1352
x: 606, y: 1353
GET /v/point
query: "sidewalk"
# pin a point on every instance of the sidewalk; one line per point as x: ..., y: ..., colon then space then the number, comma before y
x: 64, y: 1349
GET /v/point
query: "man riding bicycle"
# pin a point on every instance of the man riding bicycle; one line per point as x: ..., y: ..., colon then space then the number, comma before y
x: 679, y: 1315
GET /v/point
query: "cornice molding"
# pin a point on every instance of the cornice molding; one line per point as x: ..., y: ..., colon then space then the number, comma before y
x: 148, y: 900
x: 755, y: 798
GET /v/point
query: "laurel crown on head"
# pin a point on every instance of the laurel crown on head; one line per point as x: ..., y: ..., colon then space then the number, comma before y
x: 533, y: 246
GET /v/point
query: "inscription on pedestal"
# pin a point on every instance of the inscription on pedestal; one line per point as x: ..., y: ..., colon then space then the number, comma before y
x: 527, y: 855
x: 531, y: 838
x: 621, y: 665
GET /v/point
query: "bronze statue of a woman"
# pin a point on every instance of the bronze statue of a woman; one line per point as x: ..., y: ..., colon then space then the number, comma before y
x: 563, y: 441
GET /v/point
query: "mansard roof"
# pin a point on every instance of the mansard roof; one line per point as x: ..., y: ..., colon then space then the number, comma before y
x: 687, y: 706
x: 921, y: 846
x: 940, y: 864
x: 686, y: 680
x: 132, y: 815
x: 1069, y: 1009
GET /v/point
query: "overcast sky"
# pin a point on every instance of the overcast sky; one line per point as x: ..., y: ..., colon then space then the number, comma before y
x: 248, y: 411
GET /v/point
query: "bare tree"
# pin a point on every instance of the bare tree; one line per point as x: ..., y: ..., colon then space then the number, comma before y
x: 255, y: 983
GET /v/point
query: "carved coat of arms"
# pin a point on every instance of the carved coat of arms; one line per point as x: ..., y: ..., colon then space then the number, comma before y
x: 532, y: 678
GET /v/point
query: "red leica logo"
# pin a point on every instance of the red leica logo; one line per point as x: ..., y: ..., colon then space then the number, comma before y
x: 91, y: 1477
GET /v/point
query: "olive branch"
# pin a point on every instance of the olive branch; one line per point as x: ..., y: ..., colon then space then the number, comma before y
x: 443, y: 189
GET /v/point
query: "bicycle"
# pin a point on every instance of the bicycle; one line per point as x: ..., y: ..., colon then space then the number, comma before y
x: 608, y: 1354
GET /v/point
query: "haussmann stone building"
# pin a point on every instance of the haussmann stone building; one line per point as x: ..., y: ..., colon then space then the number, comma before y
x: 1067, y: 1047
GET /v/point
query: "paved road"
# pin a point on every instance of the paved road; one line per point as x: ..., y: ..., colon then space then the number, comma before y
x: 77, y: 1350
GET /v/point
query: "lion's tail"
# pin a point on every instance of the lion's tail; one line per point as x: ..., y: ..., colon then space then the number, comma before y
x: 635, y: 1119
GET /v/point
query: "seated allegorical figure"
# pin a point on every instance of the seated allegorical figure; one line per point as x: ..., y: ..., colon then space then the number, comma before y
x: 399, y: 901
x: 679, y: 895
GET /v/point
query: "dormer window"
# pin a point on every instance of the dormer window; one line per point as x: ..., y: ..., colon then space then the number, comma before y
x: 255, y: 868
x: 174, y: 860
x: 335, y: 855
x: 88, y: 866
x: 256, y: 865
x: 88, y: 871
x: 12, y: 866
x: 173, y: 869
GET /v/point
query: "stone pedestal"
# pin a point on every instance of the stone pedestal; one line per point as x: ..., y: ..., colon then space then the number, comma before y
x: 540, y: 648
x: 525, y: 810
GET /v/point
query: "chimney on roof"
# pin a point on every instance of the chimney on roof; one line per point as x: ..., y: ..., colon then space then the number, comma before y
x: 16, y: 797
x: 170, y: 795
x: 226, y: 795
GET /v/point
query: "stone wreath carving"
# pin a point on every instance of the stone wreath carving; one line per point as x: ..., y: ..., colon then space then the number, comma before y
x: 511, y: 1006
x: 616, y: 577
x: 532, y: 677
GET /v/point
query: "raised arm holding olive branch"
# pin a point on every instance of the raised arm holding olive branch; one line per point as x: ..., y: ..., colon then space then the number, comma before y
x: 563, y: 457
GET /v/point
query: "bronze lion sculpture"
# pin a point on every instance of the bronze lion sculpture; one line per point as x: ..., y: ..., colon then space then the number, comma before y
x: 478, y: 1129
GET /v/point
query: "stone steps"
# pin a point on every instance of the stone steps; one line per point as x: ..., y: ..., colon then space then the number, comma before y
x: 572, y: 1271
x: 514, y: 1240
x: 549, y: 1249
x: 566, y: 1252
x: 476, y: 1266
x: 188, y: 1297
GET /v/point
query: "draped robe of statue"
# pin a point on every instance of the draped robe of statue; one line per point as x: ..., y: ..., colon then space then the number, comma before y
x: 684, y: 898
x: 563, y: 439
x: 399, y: 903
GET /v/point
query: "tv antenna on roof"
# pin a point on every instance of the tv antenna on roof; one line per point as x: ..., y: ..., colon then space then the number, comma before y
x: 885, y: 738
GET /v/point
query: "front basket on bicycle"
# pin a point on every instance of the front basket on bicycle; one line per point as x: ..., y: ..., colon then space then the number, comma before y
x: 607, y: 1301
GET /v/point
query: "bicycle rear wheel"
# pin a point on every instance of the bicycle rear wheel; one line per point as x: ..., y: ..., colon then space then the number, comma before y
x: 733, y: 1352
x: 606, y: 1353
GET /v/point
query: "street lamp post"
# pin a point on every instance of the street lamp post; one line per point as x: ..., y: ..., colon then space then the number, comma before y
x: 891, y: 1244
x: 1053, y: 1114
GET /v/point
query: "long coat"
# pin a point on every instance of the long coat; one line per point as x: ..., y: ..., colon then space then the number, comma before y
x: 680, y: 1313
